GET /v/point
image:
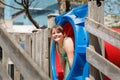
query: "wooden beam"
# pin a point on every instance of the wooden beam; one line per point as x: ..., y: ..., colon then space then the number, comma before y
x: 102, y: 64
x: 103, y: 32
x: 20, y: 58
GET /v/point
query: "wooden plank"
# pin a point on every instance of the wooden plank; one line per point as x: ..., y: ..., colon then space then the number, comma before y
x: 40, y: 48
x: 3, y: 73
x: 16, y: 73
x: 28, y: 44
x: 45, y: 52
x: 102, y: 64
x: 34, y: 46
x: 20, y: 58
x: 102, y: 32
x: 37, y: 45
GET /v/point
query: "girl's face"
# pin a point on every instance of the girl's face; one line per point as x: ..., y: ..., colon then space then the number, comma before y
x: 57, y: 35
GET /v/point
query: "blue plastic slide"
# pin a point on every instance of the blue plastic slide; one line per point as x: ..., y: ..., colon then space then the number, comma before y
x: 73, y: 23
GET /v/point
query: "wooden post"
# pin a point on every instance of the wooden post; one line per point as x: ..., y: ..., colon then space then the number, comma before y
x: 96, y: 13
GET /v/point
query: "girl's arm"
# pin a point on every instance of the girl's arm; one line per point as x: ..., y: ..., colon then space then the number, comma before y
x: 69, y: 48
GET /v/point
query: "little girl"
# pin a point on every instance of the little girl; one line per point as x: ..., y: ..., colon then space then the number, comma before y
x: 65, y: 47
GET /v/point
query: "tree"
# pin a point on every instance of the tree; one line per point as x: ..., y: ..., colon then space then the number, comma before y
x: 25, y: 4
x: 64, y: 6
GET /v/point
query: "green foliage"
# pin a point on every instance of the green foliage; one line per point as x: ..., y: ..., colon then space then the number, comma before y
x: 116, y: 26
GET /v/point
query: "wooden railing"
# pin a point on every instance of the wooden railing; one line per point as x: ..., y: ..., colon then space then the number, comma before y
x: 25, y: 60
x: 94, y: 58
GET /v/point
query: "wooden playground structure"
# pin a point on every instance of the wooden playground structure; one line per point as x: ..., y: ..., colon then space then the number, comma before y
x: 31, y: 61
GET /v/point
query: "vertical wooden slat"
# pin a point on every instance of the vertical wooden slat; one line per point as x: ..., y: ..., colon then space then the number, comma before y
x: 40, y: 47
x: 28, y: 44
x: 33, y: 45
x: 37, y: 53
x: 16, y: 71
x: 37, y: 46
x: 45, y: 50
